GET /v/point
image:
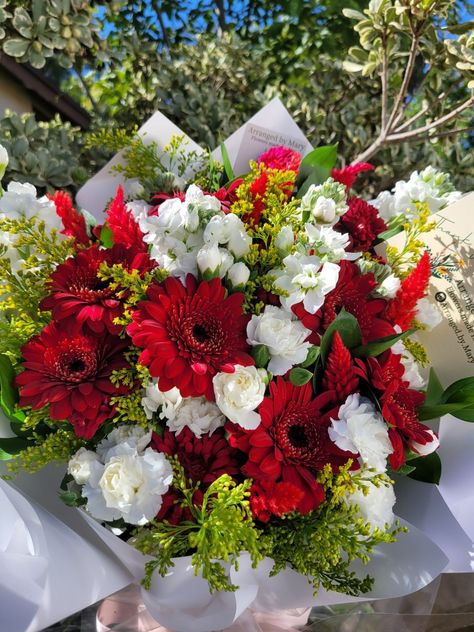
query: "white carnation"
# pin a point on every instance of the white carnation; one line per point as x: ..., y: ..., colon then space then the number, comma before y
x: 168, y: 402
x: 305, y: 280
x: 128, y: 486
x: 283, y: 335
x: 238, y: 394
x: 360, y: 429
x: 376, y: 506
x: 134, y: 438
x: 428, y: 314
x: 79, y: 466
x: 198, y: 415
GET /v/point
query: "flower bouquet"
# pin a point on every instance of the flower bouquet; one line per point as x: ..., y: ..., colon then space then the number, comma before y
x: 230, y: 372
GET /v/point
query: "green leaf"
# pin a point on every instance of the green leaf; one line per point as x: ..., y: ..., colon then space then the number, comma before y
x: 11, y: 446
x: 425, y: 413
x: 434, y: 390
x: 316, y: 167
x: 72, y: 498
x: 226, y: 160
x: 299, y: 376
x: 313, y: 355
x: 261, y: 355
x: 376, y: 347
x: 106, y: 237
x: 347, y: 326
x: 16, y: 46
x: 427, y: 468
x: 388, y: 234
x: 405, y: 470
x: 461, y: 391
x: 8, y: 392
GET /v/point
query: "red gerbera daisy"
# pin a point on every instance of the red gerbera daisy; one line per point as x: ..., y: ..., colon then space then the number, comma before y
x: 79, y: 296
x: 203, y: 459
x: 190, y: 333
x: 291, y: 443
x: 351, y: 293
x: 74, y: 223
x: 363, y: 224
x: 71, y: 373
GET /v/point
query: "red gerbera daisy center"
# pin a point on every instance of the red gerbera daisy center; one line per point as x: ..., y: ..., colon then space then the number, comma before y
x: 298, y: 436
x: 199, y: 334
x: 71, y: 361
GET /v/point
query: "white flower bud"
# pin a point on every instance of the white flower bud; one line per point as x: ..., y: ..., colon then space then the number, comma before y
x: 284, y: 240
x: 3, y: 161
x: 213, y: 261
x: 238, y: 274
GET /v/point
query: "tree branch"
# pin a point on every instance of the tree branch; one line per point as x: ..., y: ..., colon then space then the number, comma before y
x: 88, y: 92
x: 413, y: 118
x: 220, y: 12
x: 164, y: 30
x: 402, y: 93
x: 384, y: 81
x: 426, y: 129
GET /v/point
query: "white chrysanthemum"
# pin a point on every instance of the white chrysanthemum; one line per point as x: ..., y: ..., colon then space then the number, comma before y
x: 412, y: 369
x: 328, y: 244
x: 228, y: 230
x: 238, y: 394
x: 168, y: 402
x: 324, y: 203
x: 79, y: 466
x: 283, y: 335
x: 305, y: 280
x: 360, y: 429
x: 135, y: 438
x: 428, y: 314
x: 19, y: 201
x: 376, y: 506
x: 128, y: 486
x: 198, y: 415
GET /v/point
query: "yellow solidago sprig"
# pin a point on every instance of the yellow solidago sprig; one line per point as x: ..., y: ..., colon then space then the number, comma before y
x: 402, y: 261
x: 221, y: 529
x: 323, y: 543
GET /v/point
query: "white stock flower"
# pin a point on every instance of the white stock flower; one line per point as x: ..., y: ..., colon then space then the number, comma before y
x: 428, y: 314
x: 305, y: 279
x: 198, y: 415
x: 329, y: 244
x: 238, y: 394
x: 228, y: 230
x: 376, y: 506
x: 324, y: 203
x: 238, y: 274
x: 389, y: 286
x: 19, y: 201
x: 423, y: 449
x: 361, y: 430
x: 3, y: 161
x: 283, y: 335
x: 134, y: 438
x: 412, y: 370
x: 385, y: 203
x: 79, y: 466
x: 128, y: 486
x: 214, y: 261
x: 168, y: 401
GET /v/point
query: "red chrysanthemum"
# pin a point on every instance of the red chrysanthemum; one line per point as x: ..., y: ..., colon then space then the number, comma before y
x: 363, y: 224
x: 124, y: 227
x: 190, y: 333
x: 339, y: 375
x: 268, y: 499
x: 402, y: 309
x: 281, y: 158
x: 71, y: 373
x: 79, y: 297
x: 203, y: 459
x: 347, y: 175
x: 73, y: 221
x: 291, y: 443
x: 351, y: 293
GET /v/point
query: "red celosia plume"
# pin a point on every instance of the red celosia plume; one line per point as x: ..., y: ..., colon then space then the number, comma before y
x: 124, y: 227
x: 73, y: 222
x: 340, y: 376
x: 402, y: 309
